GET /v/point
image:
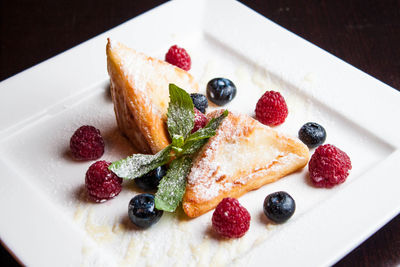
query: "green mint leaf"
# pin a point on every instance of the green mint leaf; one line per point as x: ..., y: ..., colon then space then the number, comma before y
x: 214, y: 122
x: 140, y: 164
x: 178, y: 141
x: 196, y: 140
x: 201, y: 134
x: 172, y: 187
x: 193, y: 146
x: 180, y: 112
x: 177, y: 150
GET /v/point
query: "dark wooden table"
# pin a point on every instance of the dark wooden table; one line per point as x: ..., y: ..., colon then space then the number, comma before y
x: 364, y: 33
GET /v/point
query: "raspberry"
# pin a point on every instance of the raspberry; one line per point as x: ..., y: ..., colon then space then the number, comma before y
x: 101, y: 183
x: 329, y: 166
x: 199, y: 120
x: 230, y: 219
x: 179, y: 57
x: 271, y: 109
x: 86, y: 143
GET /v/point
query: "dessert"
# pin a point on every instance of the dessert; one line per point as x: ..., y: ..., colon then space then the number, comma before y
x: 175, y: 240
x: 243, y: 155
x: 139, y: 89
x: 211, y: 158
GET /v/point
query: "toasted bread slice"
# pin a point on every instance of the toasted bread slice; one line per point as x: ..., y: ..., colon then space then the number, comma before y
x: 243, y: 155
x: 139, y: 90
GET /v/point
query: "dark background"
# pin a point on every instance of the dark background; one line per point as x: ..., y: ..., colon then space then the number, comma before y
x: 364, y: 33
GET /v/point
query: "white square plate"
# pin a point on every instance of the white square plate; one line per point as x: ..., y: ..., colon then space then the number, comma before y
x: 47, y: 221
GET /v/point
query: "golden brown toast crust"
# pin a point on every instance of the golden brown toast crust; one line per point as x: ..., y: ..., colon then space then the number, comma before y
x: 243, y: 155
x: 139, y: 90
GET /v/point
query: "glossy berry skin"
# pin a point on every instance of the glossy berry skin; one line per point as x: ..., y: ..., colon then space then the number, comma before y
x: 142, y: 211
x: 200, y: 102
x: 221, y: 91
x: 279, y: 207
x: 312, y: 134
x: 151, y: 180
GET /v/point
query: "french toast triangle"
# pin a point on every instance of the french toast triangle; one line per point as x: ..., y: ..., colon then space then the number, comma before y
x: 243, y: 155
x: 139, y: 90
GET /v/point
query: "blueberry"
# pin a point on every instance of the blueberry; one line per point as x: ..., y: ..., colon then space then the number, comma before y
x: 151, y: 180
x: 279, y: 206
x: 200, y: 102
x: 312, y: 134
x: 142, y: 211
x: 221, y: 91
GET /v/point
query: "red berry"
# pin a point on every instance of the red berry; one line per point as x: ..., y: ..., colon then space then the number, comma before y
x: 86, y: 143
x: 329, y: 166
x: 271, y: 109
x: 199, y: 120
x: 101, y: 183
x: 179, y: 57
x: 230, y: 219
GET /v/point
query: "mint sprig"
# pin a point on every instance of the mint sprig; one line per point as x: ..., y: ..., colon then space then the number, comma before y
x: 180, y: 112
x: 139, y: 164
x: 178, y: 154
x: 197, y: 139
x: 172, y: 187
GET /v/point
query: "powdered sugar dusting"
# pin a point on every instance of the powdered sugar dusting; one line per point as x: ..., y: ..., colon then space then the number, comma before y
x: 241, y: 148
x: 112, y: 43
x: 129, y: 166
x: 205, y: 172
x: 273, y: 166
x: 151, y: 76
x: 140, y: 89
